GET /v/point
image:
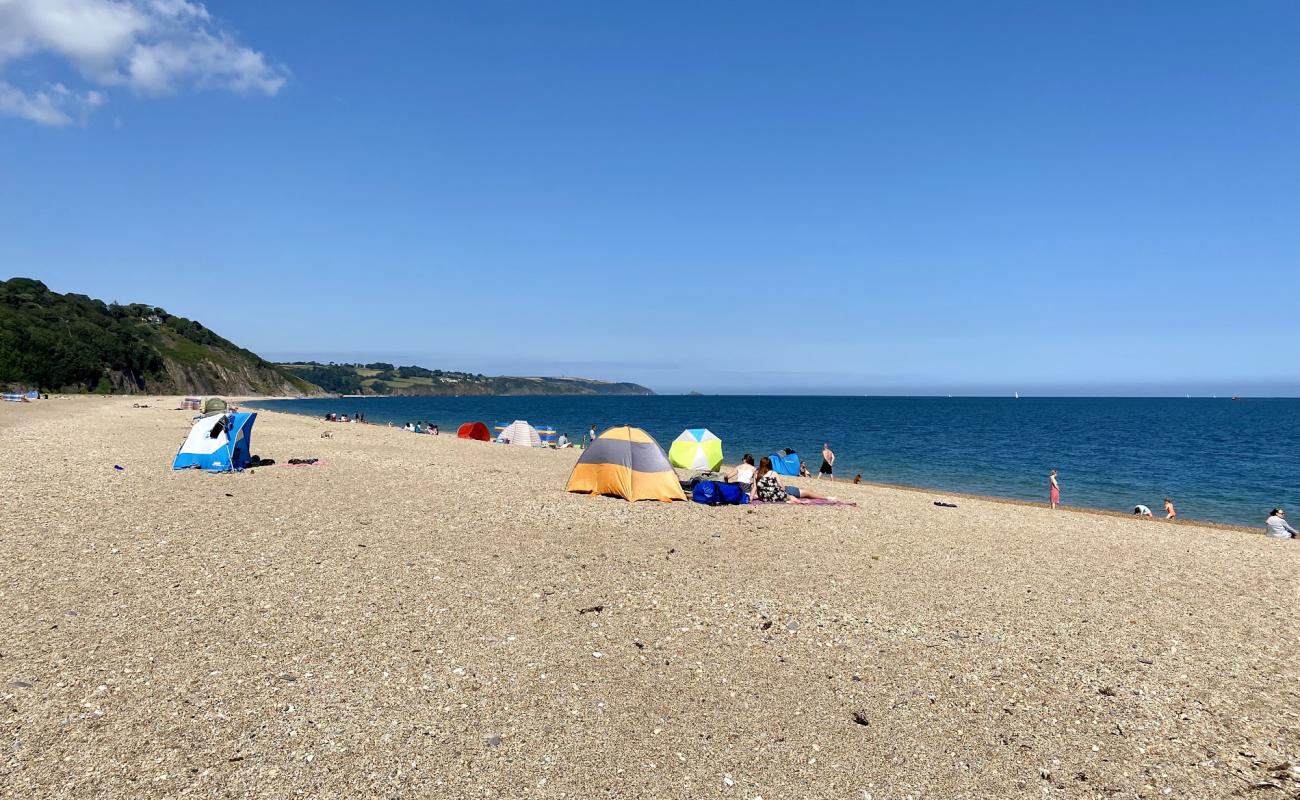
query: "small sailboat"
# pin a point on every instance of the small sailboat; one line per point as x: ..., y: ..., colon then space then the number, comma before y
x: 1017, y: 395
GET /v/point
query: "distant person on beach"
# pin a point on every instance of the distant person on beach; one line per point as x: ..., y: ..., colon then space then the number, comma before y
x: 419, y: 428
x: 743, y: 474
x: 1276, y: 526
x: 803, y: 470
x: 828, y: 462
x: 1055, y: 492
x: 768, y: 489
x: 563, y: 441
x: 1142, y: 511
x: 593, y: 432
x: 1170, y: 513
x: 857, y: 479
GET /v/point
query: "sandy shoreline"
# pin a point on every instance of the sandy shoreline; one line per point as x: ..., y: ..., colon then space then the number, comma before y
x: 370, y: 626
x: 937, y: 494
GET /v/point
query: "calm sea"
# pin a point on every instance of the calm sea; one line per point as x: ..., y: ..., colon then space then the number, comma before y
x: 1221, y: 460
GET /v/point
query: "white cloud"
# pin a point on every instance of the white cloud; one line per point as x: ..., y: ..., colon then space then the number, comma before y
x: 154, y: 47
x: 53, y: 104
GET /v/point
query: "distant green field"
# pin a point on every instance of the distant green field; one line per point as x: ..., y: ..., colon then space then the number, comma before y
x: 371, y: 379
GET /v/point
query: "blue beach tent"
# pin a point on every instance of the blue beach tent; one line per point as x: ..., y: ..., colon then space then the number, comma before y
x: 218, y: 443
x: 783, y: 464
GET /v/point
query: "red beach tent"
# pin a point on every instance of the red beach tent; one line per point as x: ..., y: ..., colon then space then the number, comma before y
x: 474, y: 430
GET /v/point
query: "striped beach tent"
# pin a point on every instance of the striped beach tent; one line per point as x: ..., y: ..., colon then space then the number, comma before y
x: 626, y: 462
x: 696, y: 448
x: 520, y: 433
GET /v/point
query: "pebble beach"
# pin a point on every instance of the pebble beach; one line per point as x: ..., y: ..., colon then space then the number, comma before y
x: 420, y: 616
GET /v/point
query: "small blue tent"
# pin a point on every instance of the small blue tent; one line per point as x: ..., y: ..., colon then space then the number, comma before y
x: 785, y: 464
x: 219, y: 443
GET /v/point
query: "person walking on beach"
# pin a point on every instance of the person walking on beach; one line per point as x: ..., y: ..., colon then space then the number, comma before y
x: 1276, y: 526
x: 828, y: 462
x: 1055, y: 492
x: 1170, y: 513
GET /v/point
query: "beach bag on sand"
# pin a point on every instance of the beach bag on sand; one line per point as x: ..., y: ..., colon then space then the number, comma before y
x: 717, y: 493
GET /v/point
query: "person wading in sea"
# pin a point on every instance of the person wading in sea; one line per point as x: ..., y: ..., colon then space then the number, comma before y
x: 828, y: 462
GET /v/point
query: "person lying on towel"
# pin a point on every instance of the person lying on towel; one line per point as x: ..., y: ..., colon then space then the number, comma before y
x: 768, y: 488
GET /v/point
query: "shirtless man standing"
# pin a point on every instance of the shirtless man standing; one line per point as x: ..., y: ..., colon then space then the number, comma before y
x: 828, y: 462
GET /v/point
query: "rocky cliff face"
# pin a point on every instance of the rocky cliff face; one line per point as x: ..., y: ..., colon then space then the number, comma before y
x: 211, y: 377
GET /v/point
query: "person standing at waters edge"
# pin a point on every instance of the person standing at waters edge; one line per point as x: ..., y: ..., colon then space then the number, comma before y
x: 828, y: 462
x: 1276, y: 526
x: 593, y: 433
x: 1055, y: 492
x: 1170, y: 513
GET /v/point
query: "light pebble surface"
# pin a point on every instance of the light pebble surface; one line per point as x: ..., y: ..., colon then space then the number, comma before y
x: 416, y: 618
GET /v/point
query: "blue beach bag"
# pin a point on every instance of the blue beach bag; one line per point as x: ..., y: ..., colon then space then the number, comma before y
x: 717, y: 493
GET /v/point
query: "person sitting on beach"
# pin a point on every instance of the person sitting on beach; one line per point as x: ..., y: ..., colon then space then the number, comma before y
x: 803, y: 470
x: 563, y: 441
x: 768, y: 489
x: 1276, y: 526
x: 419, y: 428
x: 1170, y: 513
x: 743, y: 474
x: 433, y: 429
x: 857, y: 479
x: 1142, y: 511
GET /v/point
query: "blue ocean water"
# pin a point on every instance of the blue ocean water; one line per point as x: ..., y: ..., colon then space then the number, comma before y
x: 1220, y: 460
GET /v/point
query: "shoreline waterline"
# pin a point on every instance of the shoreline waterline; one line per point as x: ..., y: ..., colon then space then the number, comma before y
x: 394, y: 413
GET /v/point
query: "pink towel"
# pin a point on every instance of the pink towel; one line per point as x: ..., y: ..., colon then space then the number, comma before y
x: 799, y: 501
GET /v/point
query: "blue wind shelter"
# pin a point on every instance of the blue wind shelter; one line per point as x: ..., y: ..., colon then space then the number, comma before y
x: 785, y: 464
x: 219, y: 443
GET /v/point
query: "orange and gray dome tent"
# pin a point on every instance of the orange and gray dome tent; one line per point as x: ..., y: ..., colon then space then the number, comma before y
x: 626, y: 462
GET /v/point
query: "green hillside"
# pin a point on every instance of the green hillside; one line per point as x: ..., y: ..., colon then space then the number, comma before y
x: 387, y: 379
x: 73, y: 343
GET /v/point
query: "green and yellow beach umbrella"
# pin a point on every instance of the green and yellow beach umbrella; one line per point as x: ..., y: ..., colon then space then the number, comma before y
x: 696, y: 448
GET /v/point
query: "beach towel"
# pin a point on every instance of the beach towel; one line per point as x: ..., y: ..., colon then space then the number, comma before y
x: 799, y: 501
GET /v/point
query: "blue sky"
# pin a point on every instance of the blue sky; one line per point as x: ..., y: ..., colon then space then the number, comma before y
x: 854, y: 197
